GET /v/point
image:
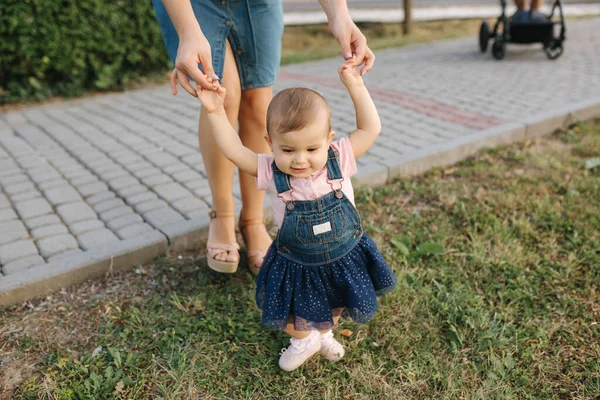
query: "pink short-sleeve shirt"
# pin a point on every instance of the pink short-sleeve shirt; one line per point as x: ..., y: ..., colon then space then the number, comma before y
x: 311, y: 187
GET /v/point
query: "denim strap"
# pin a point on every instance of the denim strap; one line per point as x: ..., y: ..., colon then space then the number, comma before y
x: 282, y: 181
x: 333, y: 165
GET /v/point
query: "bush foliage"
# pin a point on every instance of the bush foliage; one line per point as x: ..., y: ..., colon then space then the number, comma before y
x: 67, y: 47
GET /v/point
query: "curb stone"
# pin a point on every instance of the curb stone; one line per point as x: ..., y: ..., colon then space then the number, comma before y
x: 29, y: 283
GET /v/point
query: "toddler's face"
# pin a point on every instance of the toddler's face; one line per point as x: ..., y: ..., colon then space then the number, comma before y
x: 302, y: 152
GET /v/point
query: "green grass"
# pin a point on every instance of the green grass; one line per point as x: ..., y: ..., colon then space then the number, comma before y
x: 509, y: 310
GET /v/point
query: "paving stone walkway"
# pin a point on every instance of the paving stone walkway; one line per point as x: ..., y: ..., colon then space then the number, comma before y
x: 112, y: 181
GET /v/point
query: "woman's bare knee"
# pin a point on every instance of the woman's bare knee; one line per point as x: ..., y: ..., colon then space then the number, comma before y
x: 254, y: 105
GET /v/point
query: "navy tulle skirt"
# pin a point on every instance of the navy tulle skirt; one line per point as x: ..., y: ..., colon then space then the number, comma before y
x: 288, y: 292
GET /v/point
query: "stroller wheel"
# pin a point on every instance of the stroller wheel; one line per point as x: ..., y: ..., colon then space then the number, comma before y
x: 554, y: 49
x: 498, y: 49
x: 484, y: 36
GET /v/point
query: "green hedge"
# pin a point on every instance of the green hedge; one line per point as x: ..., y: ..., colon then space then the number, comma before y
x: 67, y: 47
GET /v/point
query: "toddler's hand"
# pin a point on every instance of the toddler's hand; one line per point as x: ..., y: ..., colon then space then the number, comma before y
x: 348, y: 74
x: 212, y: 100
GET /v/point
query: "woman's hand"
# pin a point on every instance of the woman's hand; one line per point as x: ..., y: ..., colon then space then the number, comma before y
x: 193, y: 49
x: 352, y: 42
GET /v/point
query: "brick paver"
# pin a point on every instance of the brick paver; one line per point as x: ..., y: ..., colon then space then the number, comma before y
x: 15, y: 250
x: 22, y: 264
x: 11, y: 231
x: 54, y: 245
x: 92, y: 175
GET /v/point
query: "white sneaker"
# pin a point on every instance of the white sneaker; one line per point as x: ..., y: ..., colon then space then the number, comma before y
x: 299, y: 351
x: 331, y: 349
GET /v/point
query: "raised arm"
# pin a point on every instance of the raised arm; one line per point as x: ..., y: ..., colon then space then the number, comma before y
x: 226, y: 137
x: 350, y: 38
x: 368, y: 124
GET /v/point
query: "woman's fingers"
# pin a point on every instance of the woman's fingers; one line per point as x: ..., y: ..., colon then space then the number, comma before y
x: 184, y: 81
x: 369, y: 61
x: 209, y: 72
x: 360, y: 47
x: 197, y: 75
x: 173, y: 81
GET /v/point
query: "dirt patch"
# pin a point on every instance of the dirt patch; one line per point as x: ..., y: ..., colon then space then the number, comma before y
x: 13, y: 372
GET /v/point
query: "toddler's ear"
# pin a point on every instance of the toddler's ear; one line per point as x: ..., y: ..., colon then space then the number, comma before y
x: 330, y: 136
x: 268, y: 139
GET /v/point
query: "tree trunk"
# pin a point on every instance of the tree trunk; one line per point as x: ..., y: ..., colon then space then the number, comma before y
x: 407, y: 26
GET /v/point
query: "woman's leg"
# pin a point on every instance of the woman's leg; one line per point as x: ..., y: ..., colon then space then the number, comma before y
x: 219, y: 169
x: 253, y: 120
x: 536, y: 4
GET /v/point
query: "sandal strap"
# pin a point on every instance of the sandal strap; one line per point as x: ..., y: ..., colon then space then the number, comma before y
x: 223, y: 246
x: 242, y: 223
x: 213, y: 214
x: 219, y: 248
x: 215, y: 248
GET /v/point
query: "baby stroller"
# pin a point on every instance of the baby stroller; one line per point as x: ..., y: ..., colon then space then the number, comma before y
x: 532, y: 28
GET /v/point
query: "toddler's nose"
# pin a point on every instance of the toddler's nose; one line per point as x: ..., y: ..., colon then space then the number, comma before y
x: 300, y: 159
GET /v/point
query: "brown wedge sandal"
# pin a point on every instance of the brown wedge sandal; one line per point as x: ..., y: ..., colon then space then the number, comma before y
x: 255, y: 257
x: 227, y: 267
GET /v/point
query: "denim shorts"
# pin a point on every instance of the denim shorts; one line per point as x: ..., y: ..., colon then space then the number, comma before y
x: 253, y: 27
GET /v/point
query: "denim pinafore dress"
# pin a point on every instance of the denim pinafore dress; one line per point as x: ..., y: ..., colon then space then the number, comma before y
x: 321, y: 261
